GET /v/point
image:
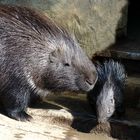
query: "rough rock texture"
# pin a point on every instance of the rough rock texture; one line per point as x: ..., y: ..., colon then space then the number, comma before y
x: 47, y: 125
x: 65, y: 117
x: 95, y: 22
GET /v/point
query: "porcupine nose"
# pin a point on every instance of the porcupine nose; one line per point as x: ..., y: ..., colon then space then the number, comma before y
x: 90, y: 81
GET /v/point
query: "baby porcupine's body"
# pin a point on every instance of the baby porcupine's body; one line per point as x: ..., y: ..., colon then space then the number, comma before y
x: 107, y: 97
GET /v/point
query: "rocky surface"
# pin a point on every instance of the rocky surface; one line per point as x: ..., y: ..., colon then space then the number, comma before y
x: 46, y: 125
x: 96, y: 23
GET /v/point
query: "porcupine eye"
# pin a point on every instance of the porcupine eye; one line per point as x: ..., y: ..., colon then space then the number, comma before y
x: 108, y: 110
x: 111, y: 100
x: 67, y: 64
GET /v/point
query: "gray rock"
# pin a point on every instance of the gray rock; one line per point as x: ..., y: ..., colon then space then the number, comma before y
x: 95, y: 22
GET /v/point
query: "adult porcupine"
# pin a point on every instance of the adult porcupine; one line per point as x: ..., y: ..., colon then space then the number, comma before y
x: 107, y: 96
x: 37, y: 55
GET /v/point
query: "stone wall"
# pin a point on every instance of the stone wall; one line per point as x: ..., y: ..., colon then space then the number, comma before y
x: 96, y: 23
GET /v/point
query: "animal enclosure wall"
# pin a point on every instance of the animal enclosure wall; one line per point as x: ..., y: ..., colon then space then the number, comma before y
x: 96, y: 23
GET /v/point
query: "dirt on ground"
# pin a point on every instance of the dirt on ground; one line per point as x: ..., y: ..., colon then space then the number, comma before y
x: 46, y: 125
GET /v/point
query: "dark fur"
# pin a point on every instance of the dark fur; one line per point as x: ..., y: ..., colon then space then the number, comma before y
x: 111, y: 75
x: 37, y: 56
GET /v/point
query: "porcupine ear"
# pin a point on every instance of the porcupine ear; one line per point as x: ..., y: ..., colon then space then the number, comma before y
x: 54, y: 55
